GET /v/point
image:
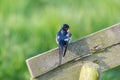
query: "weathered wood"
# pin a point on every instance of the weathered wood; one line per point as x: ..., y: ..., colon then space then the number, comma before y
x: 107, y: 59
x: 89, y: 71
x: 47, y: 61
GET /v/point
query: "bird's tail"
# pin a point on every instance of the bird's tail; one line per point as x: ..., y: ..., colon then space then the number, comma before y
x: 65, y: 50
x: 60, y: 54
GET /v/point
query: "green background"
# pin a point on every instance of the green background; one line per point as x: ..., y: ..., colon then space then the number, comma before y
x: 29, y: 27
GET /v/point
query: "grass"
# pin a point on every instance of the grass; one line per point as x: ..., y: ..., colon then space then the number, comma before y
x: 28, y: 28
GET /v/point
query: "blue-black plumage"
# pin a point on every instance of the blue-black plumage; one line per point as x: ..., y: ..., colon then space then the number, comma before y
x: 63, y: 38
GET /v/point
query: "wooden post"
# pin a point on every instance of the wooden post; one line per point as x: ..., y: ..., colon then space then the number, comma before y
x: 89, y: 71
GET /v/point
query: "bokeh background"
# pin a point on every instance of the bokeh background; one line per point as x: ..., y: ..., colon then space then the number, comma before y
x: 29, y: 27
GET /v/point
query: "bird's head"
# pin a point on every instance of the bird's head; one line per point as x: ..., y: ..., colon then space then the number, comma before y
x: 65, y: 27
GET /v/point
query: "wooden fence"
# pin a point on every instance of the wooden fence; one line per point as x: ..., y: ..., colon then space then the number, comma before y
x: 102, y: 47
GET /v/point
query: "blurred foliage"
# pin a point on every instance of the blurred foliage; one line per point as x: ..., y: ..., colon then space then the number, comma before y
x: 29, y: 27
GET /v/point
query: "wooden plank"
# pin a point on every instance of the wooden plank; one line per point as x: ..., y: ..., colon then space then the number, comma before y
x: 47, y: 61
x: 107, y: 59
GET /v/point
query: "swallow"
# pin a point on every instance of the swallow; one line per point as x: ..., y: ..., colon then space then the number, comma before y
x: 63, y: 38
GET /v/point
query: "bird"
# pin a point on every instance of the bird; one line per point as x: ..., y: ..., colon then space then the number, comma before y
x: 63, y: 39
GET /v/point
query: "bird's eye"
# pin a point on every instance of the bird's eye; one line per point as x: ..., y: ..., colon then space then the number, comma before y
x: 66, y: 28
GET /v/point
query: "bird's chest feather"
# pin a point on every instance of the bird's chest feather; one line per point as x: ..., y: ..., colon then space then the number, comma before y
x: 64, y: 33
